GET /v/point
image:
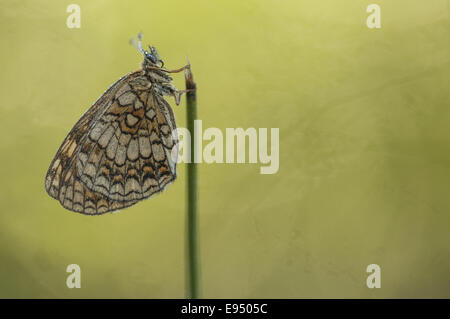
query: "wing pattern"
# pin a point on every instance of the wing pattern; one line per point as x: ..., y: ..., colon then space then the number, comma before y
x: 121, y: 151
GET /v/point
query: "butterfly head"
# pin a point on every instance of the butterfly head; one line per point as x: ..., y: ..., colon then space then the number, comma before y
x: 151, y: 57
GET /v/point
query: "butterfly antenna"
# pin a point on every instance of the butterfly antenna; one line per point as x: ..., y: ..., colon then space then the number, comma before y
x: 140, y: 36
x: 138, y: 44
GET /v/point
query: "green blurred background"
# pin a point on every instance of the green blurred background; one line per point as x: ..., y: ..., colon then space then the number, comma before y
x: 364, y: 149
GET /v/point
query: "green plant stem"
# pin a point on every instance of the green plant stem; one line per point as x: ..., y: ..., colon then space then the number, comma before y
x: 191, y: 191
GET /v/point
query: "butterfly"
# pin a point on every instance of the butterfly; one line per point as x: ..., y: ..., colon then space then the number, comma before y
x: 124, y: 148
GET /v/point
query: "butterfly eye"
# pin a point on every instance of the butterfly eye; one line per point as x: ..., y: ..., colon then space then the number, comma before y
x: 150, y: 57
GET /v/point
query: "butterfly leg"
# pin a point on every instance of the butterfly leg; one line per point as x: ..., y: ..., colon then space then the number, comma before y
x: 177, y: 70
x: 169, y: 71
x: 177, y: 95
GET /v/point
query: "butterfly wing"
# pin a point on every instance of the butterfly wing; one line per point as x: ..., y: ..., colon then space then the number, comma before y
x: 128, y: 153
x: 118, y: 153
x: 76, y: 197
x: 71, y: 144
